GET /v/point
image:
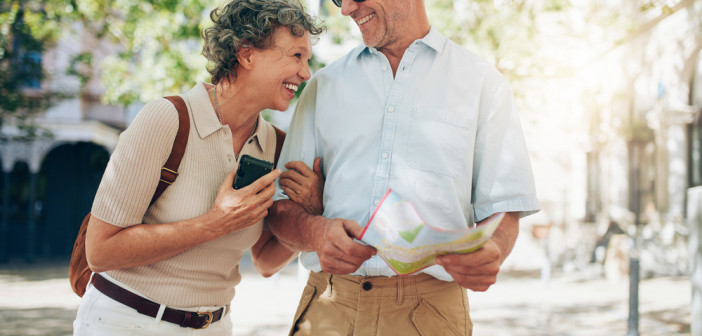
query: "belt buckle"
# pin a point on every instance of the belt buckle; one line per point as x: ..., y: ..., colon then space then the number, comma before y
x: 208, y: 315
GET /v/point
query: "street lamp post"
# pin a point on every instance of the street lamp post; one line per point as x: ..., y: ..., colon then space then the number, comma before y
x: 635, y: 152
x: 633, y: 322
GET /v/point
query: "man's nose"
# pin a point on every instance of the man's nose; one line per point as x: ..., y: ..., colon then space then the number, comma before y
x: 348, y: 6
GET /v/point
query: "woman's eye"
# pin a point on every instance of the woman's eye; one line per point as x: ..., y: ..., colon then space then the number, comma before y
x: 298, y: 55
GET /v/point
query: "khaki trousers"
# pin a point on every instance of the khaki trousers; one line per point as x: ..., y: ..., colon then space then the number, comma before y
x: 367, y: 306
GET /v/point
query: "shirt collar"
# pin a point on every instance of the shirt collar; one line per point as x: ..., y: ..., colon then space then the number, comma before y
x: 261, y: 132
x: 358, y: 50
x: 433, y: 40
x: 205, y: 117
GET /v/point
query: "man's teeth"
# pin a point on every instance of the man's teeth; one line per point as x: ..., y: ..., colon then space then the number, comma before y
x: 365, y: 19
x: 291, y: 86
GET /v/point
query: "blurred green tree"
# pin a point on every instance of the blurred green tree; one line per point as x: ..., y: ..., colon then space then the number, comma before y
x: 26, y: 30
x: 158, y: 46
x: 158, y: 42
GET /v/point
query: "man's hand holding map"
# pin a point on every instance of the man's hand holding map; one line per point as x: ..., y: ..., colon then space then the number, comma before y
x: 408, y: 245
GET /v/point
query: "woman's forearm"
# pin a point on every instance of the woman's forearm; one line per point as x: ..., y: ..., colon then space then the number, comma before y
x: 109, y: 247
x: 269, y: 255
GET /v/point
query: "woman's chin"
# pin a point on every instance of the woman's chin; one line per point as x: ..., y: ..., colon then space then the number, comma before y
x: 283, y: 107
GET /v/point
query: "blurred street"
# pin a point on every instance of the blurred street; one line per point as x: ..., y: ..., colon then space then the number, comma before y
x: 37, y: 300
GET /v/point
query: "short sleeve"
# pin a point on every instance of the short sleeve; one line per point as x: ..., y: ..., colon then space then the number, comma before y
x: 300, y: 142
x: 134, y: 169
x: 502, y: 176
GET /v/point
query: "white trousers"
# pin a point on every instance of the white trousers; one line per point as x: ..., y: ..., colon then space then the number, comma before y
x: 99, y: 315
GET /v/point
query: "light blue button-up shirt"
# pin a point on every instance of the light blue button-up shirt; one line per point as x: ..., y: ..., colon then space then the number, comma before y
x: 442, y: 133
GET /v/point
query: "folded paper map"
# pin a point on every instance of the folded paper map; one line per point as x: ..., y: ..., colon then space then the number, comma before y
x: 408, y: 244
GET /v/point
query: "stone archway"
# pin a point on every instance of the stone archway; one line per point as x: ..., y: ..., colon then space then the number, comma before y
x: 68, y: 179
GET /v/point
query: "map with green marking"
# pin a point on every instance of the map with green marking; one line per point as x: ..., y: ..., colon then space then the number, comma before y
x: 408, y: 244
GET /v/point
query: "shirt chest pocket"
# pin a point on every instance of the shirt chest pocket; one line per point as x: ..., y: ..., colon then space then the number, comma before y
x: 438, y: 141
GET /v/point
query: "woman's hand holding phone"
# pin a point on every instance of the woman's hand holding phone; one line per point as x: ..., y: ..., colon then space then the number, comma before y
x: 235, y: 210
x: 250, y: 169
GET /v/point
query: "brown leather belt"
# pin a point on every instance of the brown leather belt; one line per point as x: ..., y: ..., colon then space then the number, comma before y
x: 185, y: 319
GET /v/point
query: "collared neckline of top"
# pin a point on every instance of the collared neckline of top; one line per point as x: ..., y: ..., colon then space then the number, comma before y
x: 205, y: 118
x: 433, y: 40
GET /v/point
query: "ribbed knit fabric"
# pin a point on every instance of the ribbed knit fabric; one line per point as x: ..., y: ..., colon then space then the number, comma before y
x: 206, y: 274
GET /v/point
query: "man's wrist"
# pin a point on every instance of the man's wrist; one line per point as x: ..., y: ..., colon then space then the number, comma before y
x: 316, y: 226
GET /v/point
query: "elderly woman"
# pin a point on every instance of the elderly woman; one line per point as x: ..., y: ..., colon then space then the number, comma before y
x: 171, y: 267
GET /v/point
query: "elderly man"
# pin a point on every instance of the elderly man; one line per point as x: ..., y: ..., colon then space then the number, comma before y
x: 412, y: 111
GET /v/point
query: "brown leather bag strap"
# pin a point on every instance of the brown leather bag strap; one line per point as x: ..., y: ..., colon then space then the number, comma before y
x: 79, y: 271
x: 169, y: 171
x: 279, y: 139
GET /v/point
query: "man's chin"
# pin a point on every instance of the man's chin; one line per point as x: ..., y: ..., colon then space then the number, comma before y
x: 370, y: 41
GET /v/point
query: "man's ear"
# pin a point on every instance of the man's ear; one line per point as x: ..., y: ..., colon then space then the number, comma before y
x: 245, y: 57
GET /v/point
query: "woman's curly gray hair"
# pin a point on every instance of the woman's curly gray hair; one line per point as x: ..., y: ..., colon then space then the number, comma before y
x: 250, y: 23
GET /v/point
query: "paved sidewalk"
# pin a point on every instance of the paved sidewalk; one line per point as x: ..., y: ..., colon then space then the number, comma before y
x: 38, y: 301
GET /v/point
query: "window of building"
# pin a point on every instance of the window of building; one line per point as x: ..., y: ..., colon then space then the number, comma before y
x: 31, y: 69
x: 26, y: 54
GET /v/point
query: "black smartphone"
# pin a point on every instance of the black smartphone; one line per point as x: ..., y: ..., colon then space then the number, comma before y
x: 250, y: 169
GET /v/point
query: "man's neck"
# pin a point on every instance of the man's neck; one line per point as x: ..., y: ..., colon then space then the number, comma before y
x: 395, y: 51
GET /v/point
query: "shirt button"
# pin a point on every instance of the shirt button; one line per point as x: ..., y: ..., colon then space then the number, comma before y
x: 376, y: 202
x: 385, y: 155
x: 367, y: 286
x: 385, y: 68
x: 391, y: 109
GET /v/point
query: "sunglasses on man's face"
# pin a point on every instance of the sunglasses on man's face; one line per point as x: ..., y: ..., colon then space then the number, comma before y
x: 338, y: 2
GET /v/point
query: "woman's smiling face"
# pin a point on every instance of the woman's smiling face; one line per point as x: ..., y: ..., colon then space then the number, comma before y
x: 279, y: 70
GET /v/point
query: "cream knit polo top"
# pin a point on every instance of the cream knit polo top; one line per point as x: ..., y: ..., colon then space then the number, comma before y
x: 206, y: 274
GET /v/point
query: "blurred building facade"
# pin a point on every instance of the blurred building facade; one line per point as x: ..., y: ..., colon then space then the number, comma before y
x: 644, y: 157
x: 644, y: 150
x: 48, y: 183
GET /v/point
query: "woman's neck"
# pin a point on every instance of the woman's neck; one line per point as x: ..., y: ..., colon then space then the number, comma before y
x: 237, y: 109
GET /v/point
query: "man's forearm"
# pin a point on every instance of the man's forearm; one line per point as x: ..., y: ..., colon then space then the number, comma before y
x: 506, y: 234
x: 294, y: 227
